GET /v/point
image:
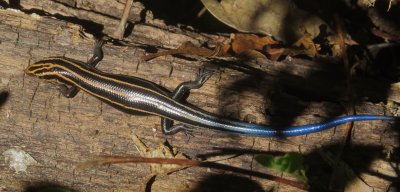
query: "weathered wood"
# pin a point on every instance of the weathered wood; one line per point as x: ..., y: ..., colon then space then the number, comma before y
x: 59, y: 132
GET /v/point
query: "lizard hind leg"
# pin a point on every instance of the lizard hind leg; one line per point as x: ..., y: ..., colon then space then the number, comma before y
x: 169, y: 129
x: 178, y: 94
x: 182, y: 89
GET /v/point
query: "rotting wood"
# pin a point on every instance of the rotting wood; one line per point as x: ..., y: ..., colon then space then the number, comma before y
x: 59, y: 132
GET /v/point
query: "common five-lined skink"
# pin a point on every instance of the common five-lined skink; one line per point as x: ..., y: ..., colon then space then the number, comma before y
x: 132, y: 94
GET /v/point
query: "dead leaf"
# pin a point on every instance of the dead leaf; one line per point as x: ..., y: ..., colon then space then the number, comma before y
x: 188, y: 48
x: 303, y: 46
x: 269, y: 17
x: 385, y: 35
x: 245, y: 42
x: 247, y: 46
x: 394, y: 93
x: 275, y: 53
x: 251, y: 54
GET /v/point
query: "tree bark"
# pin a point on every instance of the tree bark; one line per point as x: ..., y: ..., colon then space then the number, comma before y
x: 59, y: 132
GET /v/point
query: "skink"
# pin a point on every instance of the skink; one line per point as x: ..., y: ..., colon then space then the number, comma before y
x: 133, y: 94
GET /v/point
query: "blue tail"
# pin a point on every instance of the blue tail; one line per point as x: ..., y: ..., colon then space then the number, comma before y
x: 264, y: 131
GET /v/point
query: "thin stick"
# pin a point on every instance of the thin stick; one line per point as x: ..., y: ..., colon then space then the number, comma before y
x: 106, y: 160
x: 119, y: 33
x: 349, y: 85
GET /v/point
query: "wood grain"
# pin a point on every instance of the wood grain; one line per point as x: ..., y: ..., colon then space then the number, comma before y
x: 59, y: 132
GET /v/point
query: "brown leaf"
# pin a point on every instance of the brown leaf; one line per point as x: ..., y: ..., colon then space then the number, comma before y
x: 275, y: 53
x: 244, y: 42
x: 242, y: 45
x: 307, y: 43
x: 251, y: 54
x: 304, y: 45
x: 188, y: 48
x: 385, y: 35
x: 268, y: 17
